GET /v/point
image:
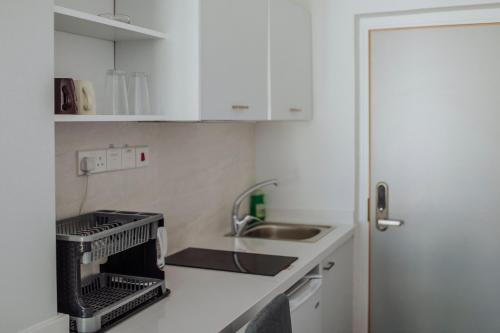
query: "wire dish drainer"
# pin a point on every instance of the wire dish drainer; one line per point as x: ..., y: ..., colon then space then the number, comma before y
x: 113, y: 296
x: 105, y: 233
x: 130, y: 278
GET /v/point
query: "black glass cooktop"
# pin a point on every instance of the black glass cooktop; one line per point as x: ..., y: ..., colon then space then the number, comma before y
x: 239, y: 262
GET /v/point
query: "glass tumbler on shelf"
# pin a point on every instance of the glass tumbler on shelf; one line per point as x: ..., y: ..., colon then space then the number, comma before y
x: 116, y: 93
x: 138, y: 94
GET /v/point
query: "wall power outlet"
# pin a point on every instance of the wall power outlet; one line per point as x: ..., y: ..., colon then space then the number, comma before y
x: 113, y: 159
x: 100, y: 158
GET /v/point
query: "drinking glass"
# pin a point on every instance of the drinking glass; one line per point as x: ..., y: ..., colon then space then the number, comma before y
x: 138, y: 94
x: 116, y: 93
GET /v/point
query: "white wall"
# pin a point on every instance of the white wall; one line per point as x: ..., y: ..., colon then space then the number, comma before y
x: 89, y: 6
x: 195, y: 173
x: 316, y: 161
x: 27, y: 194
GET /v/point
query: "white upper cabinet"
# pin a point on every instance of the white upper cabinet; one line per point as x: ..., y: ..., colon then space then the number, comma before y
x: 234, y: 59
x: 290, y: 61
x: 214, y: 63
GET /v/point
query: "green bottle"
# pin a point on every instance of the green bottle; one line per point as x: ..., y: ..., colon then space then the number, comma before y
x: 258, y: 205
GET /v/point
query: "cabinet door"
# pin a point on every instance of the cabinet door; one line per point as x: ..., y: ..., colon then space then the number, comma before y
x: 234, y: 59
x: 291, y: 61
x: 337, y: 295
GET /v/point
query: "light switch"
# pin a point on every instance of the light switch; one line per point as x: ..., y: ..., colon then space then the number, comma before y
x: 114, y: 159
x: 141, y: 156
x: 128, y: 158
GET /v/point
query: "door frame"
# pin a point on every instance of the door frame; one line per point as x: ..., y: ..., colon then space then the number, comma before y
x: 365, y: 25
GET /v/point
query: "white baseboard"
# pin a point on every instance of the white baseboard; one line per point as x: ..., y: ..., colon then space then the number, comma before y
x: 57, y: 324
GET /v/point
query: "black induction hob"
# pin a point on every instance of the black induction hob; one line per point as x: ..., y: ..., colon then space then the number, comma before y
x: 238, y: 262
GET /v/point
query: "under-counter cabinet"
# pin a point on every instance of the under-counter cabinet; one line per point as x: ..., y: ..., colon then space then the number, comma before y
x: 240, y: 60
x: 337, y: 290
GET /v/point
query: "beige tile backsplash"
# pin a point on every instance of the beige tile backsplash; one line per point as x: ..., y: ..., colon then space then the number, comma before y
x: 196, y: 171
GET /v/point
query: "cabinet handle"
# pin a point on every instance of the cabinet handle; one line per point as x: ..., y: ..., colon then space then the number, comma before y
x: 296, y: 110
x: 240, y: 108
x: 329, y: 266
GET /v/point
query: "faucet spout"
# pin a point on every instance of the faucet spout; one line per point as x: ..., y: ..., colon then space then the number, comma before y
x: 238, y: 223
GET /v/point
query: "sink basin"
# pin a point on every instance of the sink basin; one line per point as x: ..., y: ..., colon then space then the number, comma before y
x: 286, y: 231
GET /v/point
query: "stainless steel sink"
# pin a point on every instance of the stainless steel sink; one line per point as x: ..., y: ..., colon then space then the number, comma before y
x: 286, y: 231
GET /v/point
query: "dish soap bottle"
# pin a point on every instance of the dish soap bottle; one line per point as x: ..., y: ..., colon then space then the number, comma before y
x: 258, y: 205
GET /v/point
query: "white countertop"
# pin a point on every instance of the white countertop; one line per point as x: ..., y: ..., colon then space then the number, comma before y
x: 214, y: 301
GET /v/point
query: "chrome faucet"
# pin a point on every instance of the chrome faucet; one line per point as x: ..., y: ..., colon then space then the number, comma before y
x: 238, y: 224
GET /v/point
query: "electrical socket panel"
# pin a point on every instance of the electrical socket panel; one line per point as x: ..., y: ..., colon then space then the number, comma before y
x: 115, y: 159
x: 100, y: 157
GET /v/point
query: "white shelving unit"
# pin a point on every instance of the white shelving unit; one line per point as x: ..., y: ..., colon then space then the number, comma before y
x: 84, y: 24
x: 89, y: 25
x: 215, y: 65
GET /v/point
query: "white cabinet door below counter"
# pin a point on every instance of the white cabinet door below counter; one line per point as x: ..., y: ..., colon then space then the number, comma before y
x: 337, y: 295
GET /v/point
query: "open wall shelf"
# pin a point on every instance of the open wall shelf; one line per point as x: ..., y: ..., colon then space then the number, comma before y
x: 108, y: 118
x: 85, y: 24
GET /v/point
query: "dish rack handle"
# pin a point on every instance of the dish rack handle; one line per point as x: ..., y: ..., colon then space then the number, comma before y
x: 162, y: 243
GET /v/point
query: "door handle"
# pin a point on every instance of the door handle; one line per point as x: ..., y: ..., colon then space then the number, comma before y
x: 382, y: 216
x: 329, y: 266
x: 303, y: 290
x: 240, y: 108
x: 390, y: 223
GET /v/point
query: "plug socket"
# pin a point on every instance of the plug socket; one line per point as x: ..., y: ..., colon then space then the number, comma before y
x: 87, y: 165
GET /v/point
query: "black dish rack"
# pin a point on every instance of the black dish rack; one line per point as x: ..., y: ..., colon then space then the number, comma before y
x: 128, y: 282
